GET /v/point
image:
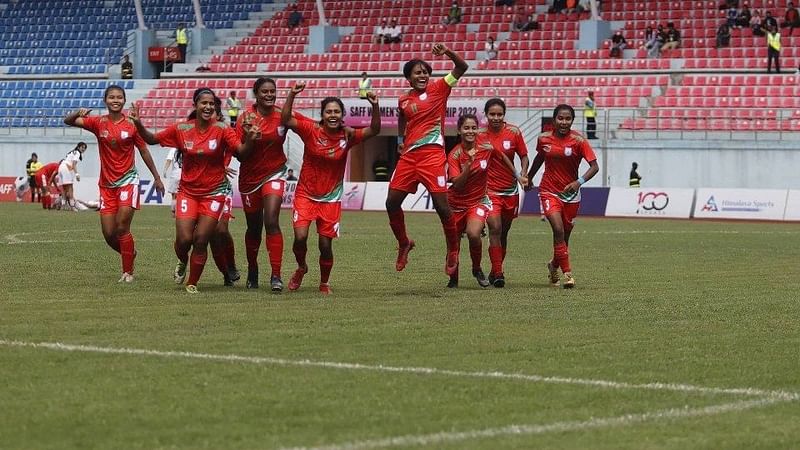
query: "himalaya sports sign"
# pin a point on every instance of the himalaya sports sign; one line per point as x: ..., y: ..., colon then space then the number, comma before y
x: 762, y: 204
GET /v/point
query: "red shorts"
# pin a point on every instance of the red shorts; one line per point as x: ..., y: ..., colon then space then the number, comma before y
x: 114, y: 198
x: 227, y: 209
x: 554, y: 205
x: 325, y: 214
x: 426, y: 165
x: 253, y: 202
x: 191, y: 207
x: 474, y: 213
x: 505, y: 206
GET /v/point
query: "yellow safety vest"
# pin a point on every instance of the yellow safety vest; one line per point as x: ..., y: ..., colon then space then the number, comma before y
x: 234, y: 107
x: 364, y: 87
x: 33, y: 168
x: 180, y: 36
x: 774, y: 40
x: 587, y: 110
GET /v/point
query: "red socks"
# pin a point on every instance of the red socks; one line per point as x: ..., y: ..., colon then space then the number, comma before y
x: 496, y: 256
x: 475, y: 250
x: 275, y: 250
x: 451, y: 234
x: 251, y: 245
x: 197, y: 263
x: 561, y: 256
x: 218, y: 251
x: 397, y: 221
x: 325, y: 266
x: 127, y: 250
x: 300, y: 253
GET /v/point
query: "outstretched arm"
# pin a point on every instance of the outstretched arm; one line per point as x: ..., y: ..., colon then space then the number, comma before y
x: 286, y: 112
x: 151, y: 166
x: 75, y: 118
x: 146, y: 134
x: 375, y: 124
x: 460, y: 65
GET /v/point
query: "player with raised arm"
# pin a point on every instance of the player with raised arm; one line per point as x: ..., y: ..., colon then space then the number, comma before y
x: 119, y: 180
x: 262, y: 180
x: 204, y: 143
x: 422, y: 152
x: 469, y: 164
x: 318, y: 197
x: 561, y: 152
x: 503, y: 188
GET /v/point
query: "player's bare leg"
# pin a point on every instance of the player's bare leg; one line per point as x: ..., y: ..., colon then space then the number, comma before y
x: 451, y: 234
x: 394, y: 202
x: 206, y: 226
x: 474, y: 229
x: 560, y: 250
x: 325, y: 264
x: 300, y: 248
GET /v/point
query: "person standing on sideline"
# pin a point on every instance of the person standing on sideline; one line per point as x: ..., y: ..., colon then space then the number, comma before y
x: 182, y: 39
x: 502, y: 184
x: 119, y: 180
x: 31, y: 166
x: 561, y: 151
x: 422, y: 153
x: 262, y: 183
x: 364, y: 86
x: 590, y: 113
x: 318, y: 197
x: 773, y: 49
x: 635, y: 178
x: 234, y: 105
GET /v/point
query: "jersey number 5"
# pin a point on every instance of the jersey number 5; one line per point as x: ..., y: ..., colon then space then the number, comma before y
x: 184, y: 206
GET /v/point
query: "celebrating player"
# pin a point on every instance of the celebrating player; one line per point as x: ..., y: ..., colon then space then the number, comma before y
x: 262, y: 181
x: 422, y: 155
x: 204, y: 143
x: 503, y: 189
x: 318, y: 197
x: 68, y: 174
x: 561, y: 151
x: 469, y: 165
x: 119, y: 180
x: 46, y: 177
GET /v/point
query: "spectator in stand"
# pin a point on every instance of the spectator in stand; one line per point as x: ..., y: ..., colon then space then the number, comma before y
x: 651, y: 43
x: 532, y: 24
x: 491, y: 49
x: 731, y: 17
x: 769, y: 21
x: 382, y: 32
x: 756, y: 24
x: 520, y: 19
x: 558, y: 6
x: 295, y: 18
x: 723, y: 36
x: 126, y: 69
x: 290, y: 175
x: 504, y: 3
x: 618, y: 44
x: 773, y: 49
x: 364, y: 85
x: 453, y: 16
x: 570, y: 7
x: 673, y: 38
x: 791, y: 19
x: 744, y: 16
x: 182, y: 39
x: 395, y: 34
x: 726, y: 4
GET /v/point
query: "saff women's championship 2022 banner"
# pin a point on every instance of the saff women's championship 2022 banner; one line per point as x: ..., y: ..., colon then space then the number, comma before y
x: 358, y: 112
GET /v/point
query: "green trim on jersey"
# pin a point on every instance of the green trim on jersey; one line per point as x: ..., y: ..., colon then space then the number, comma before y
x: 129, y: 177
x: 223, y: 188
x: 508, y: 191
x: 432, y: 137
x: 333, y: 196
x: 185, y: 126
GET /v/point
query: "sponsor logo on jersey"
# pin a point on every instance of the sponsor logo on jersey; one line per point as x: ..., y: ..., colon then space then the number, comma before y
x: 104, y: 134
x: 343, y: 144
x: 188, y: 145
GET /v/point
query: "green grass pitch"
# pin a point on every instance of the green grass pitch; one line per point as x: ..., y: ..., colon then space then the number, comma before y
x: 679, y: 334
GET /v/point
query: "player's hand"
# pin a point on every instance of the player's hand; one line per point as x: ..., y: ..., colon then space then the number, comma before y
x: 523, y: 180
x: 372, y: 98
x: 159, y: 185
x: 133, y: 112
x: 572, y: 187
x: 252, y: 132
x: 439, y: 49
x: 77, y: 177
x: 230, y: 172
x: 401, y: 148
x: 83, y: 112
x: 298, y: 87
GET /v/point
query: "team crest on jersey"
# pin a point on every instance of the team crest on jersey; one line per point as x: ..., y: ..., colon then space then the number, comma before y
x: 322, y: 142
x: 188, y: 145
x: 212, y: 144
x: 483, y: 164
x: 424, y: 96
x: 567, y: 151
x: 506, y: 145
x: 124, y: 135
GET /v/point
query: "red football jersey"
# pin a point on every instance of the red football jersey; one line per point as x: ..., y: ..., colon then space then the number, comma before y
x: 205, y: 155
x: 267, y: 160
x: 562, y: 159
x: 424, y: 113
x: 324, y: 161
x: 508, y: 140
x: 116, y: 142
x: 474, y: 191
x: 47, y: 170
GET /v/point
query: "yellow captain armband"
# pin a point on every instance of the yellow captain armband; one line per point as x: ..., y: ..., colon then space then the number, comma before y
x: 450, y: 79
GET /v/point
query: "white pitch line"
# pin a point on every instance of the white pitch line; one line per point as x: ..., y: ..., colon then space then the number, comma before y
x: 20, y: 242
x: 556, y: 427
x: 783, y: 395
